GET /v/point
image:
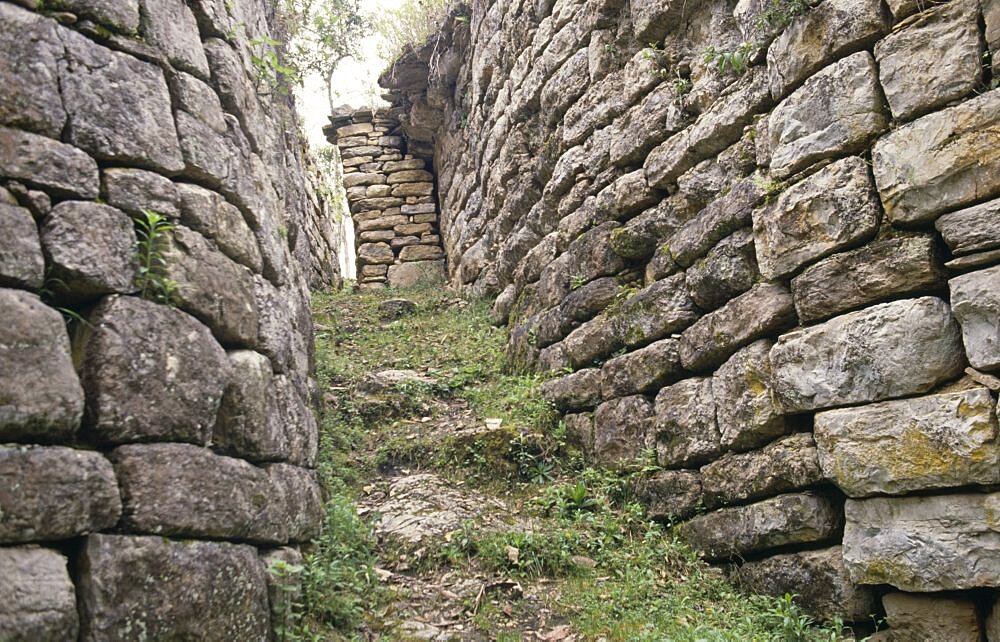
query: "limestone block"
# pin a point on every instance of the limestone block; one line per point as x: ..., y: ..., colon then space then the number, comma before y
x: 878, y: 271
x: 274, y: 319
x: 377, y: 236
x: 410, y: 176
x: 834, y: 113
x: 42, y: 399
x: 37, y: 599
x: 644, y: 370
x: 820, y: 36
x: 729, y: 269
x: 653, y: 19
x: 396, y: 242
x: 295, y: 421
x: 353, y: 130
x: 91, y: 247
x: 413, y: 229
x: 116, y: 589
x: 626, y: 196
x: 620, y: 427
x: 419, y: 209
x: 408, y: 275
x: 975, y: 301
x: 136, y: 190
x: 670, y: 495
x: 834, y: 209
x: 934, y: 59
x: 885, y: 351
x: 209, y: 155
x: 788, y: 464
x: 372, y: 191
x: 212, y: 216
x: 29, y: 72
x: 21, y: 261
x: 973, y: 229
x: 817, y: 579
x: 369, y: 204
x: 121, y: 15
x: 657, y: 311
x: 588, y: 300
x: 646, y: 125
x: 638, y: 238
x: 943, y: 161
x: 355, y: 152
x: 404, y: 165
x: 939, y: 543
x: 237, y: 91
x: 382, y: 223
x: 685, y: 429
x: 931, y: 617
x: 198, y: 99
x: 139, y: 389
x: 592, y: 341
x: 763, y: 309
x: 355, y: 180
x: 576, y: 391
x: 779, y: 521
x: 295, y: 502
x: 169, y: 25
x: 47, y: 163
x: 53, y: 493
x: 747, y: 410
x: 895, y: 447
x: 724, y: 216
x: 369, y: 253
x: 412, y: 190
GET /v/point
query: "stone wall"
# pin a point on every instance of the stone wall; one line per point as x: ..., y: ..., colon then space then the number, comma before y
x: 393, y: 202
x: 774, y: 268
x: 156, y: 451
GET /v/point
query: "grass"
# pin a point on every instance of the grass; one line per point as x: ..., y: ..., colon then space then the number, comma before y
x: 614, y: 574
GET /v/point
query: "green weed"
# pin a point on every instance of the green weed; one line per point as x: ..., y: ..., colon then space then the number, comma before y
x: 154, y: 231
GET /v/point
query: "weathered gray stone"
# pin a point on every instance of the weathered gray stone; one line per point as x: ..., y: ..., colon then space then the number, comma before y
x: 817, y: 579
x: 823, y: 34
x: 421, y: 253
x: 382, y: 222
x: 653, y: 18
x: 943, y: 161
x: 975, y: 300
x: 762, y: 310
x: 37, y: 600
x: 136, y: 190
x: 576, y: 391
x: 657, y: 311
x: 685, y: 429
x: 728, y: 270
x: 21, y: 262
x: 973, y: 229
x: 410, y: 176
x: 580, y: 427
x: 646, y: 125
x: 592, y: 341
x: 833, y: 209
x: 620, y: 427
x: 212, y: 288
x: 295, y: 502
x: 360, y: 179
x: 28, y: 72
x: 408, y: 275
x: 120, y: 576
x: 835, y: 112
x: 888, y: 350
x: 938, y: 543
x: 644, y: 370
x: 881, y: 270
x: 47, y: 163
x: 625, y: 197
x: 931, y: 617
x: 670, y: 495
x: 215, y: 218
x: 991, y: 14
x: 375, y: 253
x: 137, y: 389
x: 208, y: 155
x: 895, y: 447
x: 638, y: 238
x: 779, y: 521
x: 746, y: 408
x: 91, y: 248
x: 122, y: 15
x: 237, y: 91
x: 973, y: 261
x: 724, y: 216
x: 198, y: 99
x: 583, y: 303
x: 931, y: 59
x: 42, y: 399
x: 169, y: 25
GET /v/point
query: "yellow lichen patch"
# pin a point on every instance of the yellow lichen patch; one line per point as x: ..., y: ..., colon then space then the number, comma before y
x: 918, y: 455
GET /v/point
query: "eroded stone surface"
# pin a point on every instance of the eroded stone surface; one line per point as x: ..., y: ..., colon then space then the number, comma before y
x: 21, y: 262
x: 643, y: 370
x: 576, y: 391
x: 47, y: 163
x: 747, y: 410
x: 975, y: 300
x: 685, y: 429
x: 728, y: 270
x: 37, y: 600
x: 974, y: 229
x: 671, y: 495
x: 931, y: 617
x: 620, y: 429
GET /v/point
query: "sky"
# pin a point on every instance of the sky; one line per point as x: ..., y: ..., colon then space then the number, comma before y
x: 355, y: 80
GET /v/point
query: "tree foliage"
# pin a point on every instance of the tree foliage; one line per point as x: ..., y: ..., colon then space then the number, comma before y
x: 409, y: 26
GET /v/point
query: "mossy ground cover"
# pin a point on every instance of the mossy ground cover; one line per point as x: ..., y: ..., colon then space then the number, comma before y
x: 606, y: 572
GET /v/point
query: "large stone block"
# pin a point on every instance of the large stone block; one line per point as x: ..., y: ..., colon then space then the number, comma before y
x: 47, y: 163
x: 42, y: 399
x: 417, y: 273
x: 576, y: 391
x: 834, y: 113
x: 246, y: 425
x: 135, y: 190
x: 931, y: 60
x: 646, y: 125
x: 975, y: 300
x: 880, y: 270
x: 92, y: 249
x: 198, y: 99
x: 53, y: 493
x: 728, y: 270
x: 169, y: 25
x: 974, y: 229
x: 670, y: 495
x: 817, y: 579
x: 803, y: 518
x: 592, y: 341
x: 888, y: 350
x: 213, y: 288
x: 201, y: 590
x: 943, y: 161
x: 685, y: 430
x: 421, y: 253
x: 833, y: 209
x: 211, y: 215
x: 29, y: 72
x: 120, y: 15
x: 644, y: 370
x: 139, y: 389
x: 21, y: 261
x: 37, y: 600
x: 895, y: 447
x: 295, y: 502
x: 660, y: 310
x: 620, y: 429
x: 237, y: 91
x: 723, y: 216
x: 932, y: 617
x: 823, y: 34
x: 747, y: 411
x: 923, y: 544
x: 762, y: 310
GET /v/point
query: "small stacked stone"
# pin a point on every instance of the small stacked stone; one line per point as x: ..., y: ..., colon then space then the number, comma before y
x: 391, y: 194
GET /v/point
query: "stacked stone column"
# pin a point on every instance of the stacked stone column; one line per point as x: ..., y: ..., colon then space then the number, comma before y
x: 391, y: 194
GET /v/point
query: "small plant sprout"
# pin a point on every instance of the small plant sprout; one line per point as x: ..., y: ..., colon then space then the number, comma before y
x: 577, y: 281
x: 154, y: 230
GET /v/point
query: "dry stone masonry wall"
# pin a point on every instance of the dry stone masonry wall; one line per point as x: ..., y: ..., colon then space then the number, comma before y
x: 154, y: 457
x: 775, y: 266
x: 392, y: 199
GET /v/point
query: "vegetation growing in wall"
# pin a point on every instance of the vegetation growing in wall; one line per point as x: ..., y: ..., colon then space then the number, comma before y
x: 154, y: 232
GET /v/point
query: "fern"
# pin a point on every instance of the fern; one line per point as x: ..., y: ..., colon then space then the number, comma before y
x: 154, y: 231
